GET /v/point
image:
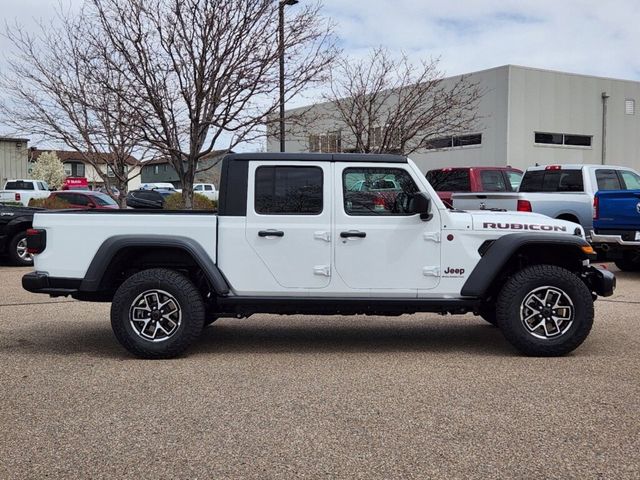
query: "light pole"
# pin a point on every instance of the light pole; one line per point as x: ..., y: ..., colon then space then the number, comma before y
x: 281, y: 5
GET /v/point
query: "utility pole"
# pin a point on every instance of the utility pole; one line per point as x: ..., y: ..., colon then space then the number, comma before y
x: 281, y: 5
x: 605, y: 97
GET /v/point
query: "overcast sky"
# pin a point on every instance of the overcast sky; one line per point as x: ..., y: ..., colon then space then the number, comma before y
x: 590, y: 37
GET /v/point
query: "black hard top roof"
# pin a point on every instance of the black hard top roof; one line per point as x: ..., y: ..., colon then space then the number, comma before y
x: 319, y: 157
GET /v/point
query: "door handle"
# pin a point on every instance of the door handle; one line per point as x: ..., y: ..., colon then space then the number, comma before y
x: 271, y: 233
x: 353, y: 234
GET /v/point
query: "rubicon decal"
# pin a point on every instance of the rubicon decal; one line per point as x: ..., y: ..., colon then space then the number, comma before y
x: 524, y: 226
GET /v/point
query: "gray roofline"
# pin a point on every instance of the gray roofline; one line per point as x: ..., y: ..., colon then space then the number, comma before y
x: 319, y: 157
x: 12, y: 139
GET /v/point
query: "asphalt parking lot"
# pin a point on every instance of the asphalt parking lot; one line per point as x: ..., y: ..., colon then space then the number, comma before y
x: 419, y: 396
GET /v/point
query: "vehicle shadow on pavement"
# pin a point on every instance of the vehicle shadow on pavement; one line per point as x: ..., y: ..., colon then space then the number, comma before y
x: 273, y: 336
x: 229, y: 335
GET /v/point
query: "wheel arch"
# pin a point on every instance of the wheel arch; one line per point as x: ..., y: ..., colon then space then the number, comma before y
x: 123, y: 253
x: 512, y: 252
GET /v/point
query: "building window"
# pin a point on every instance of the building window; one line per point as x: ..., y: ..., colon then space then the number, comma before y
x: 327, y: 143
x: 454, y: 141
x: 156, y: 169
x: 630, y: 106
x: 544, y: 138
x: 288, y: 190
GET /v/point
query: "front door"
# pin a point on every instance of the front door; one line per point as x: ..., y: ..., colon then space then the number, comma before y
x: 289, y: 221
x: 377, y: 245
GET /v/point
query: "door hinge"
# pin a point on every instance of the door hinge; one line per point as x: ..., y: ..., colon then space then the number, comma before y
x: 431, y: 236
x: 431, y: 271
x: 321, y: 235
x: 323, y: 270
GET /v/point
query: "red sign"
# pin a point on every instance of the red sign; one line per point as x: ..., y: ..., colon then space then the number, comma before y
x: 75, y: 183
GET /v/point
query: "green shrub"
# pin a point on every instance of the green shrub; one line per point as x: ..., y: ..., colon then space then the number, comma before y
x: 49, y: 203
x: 200, y: 202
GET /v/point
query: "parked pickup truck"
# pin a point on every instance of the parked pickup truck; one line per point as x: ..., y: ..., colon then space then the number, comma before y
x: 207, y: 189
x: 21, y: 191
x: 447, y: 181
x: 289, y: 238
x: 616, y: 226
x: 559, y: 191
x: 14, y: 223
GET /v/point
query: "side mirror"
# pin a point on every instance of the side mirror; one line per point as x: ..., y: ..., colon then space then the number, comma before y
x: 420, y: 203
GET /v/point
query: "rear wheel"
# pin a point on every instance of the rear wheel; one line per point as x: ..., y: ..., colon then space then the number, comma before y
x: 157, y: 313
x: 545, y: 310
x: 18, y: 250
x: 630, y: 262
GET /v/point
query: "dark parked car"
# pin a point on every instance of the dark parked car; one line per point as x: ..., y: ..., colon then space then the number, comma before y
x: 14, y: 223
x: 148, y: 198
x: 85, y: 199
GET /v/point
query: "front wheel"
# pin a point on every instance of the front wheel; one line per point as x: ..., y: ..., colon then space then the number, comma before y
x: 18, y: 250
x: 157, y: 313
x: 630, y: 262
x: 545, y: 310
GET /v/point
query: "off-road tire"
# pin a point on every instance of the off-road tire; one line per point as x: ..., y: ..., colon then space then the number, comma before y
x: 189, y: 302
x: 628, y: 263
x: 522, y: 284
x: 14, y: 255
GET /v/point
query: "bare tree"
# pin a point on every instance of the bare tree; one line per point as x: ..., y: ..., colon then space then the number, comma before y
x: 204, y: 72
x: 389, y: 105
x: 56, y: 86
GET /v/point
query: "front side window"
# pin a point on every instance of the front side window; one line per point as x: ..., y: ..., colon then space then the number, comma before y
x: 281, y: 190
x: 376, y: 191
x: 514, y: 179
x: 631, y: 180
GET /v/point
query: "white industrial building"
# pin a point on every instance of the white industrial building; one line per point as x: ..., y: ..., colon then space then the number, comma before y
x: 528, y: 116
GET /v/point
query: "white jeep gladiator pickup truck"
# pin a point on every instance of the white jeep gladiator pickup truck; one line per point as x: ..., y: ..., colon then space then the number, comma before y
x: 303, y: 234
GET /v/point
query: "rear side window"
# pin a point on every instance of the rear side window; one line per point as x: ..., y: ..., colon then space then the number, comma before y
x: 455, y: 180
x: 18, y: 185
x: 284, y: 190
x: 552, y: 181
x: 608, y: 180
x: 493, y: 181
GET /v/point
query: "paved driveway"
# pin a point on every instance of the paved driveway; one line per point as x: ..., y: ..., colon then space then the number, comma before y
x: 419, y: 396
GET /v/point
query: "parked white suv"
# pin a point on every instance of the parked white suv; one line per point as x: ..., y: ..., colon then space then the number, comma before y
x: 294, y: 236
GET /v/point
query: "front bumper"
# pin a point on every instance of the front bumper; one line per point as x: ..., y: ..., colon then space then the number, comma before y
x: 38, y: 282
x: 600, y: 281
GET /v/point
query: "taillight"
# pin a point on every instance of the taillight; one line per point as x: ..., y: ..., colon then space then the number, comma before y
x: 17, y: 197
x: 379, y: 203
x: 36, y: 240
x: 524, y: 206
x: 596, y: 208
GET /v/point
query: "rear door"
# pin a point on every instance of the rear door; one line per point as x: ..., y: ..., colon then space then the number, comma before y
x: 289, y: 221
x: 618, y: 199
x: 378, y: 247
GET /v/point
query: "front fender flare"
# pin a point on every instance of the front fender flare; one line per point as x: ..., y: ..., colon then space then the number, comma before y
x: 503, y: 249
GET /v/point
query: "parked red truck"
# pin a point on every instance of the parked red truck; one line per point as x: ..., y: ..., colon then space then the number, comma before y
x: 447, y: 181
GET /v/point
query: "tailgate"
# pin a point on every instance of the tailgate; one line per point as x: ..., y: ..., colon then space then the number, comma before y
x: 485, y: 201
x: 618, y: 210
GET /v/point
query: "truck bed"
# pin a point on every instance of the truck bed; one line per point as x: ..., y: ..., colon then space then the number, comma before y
x: 67, y: 238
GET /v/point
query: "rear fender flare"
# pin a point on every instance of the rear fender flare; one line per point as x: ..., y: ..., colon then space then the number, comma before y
x: 113, y: 245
